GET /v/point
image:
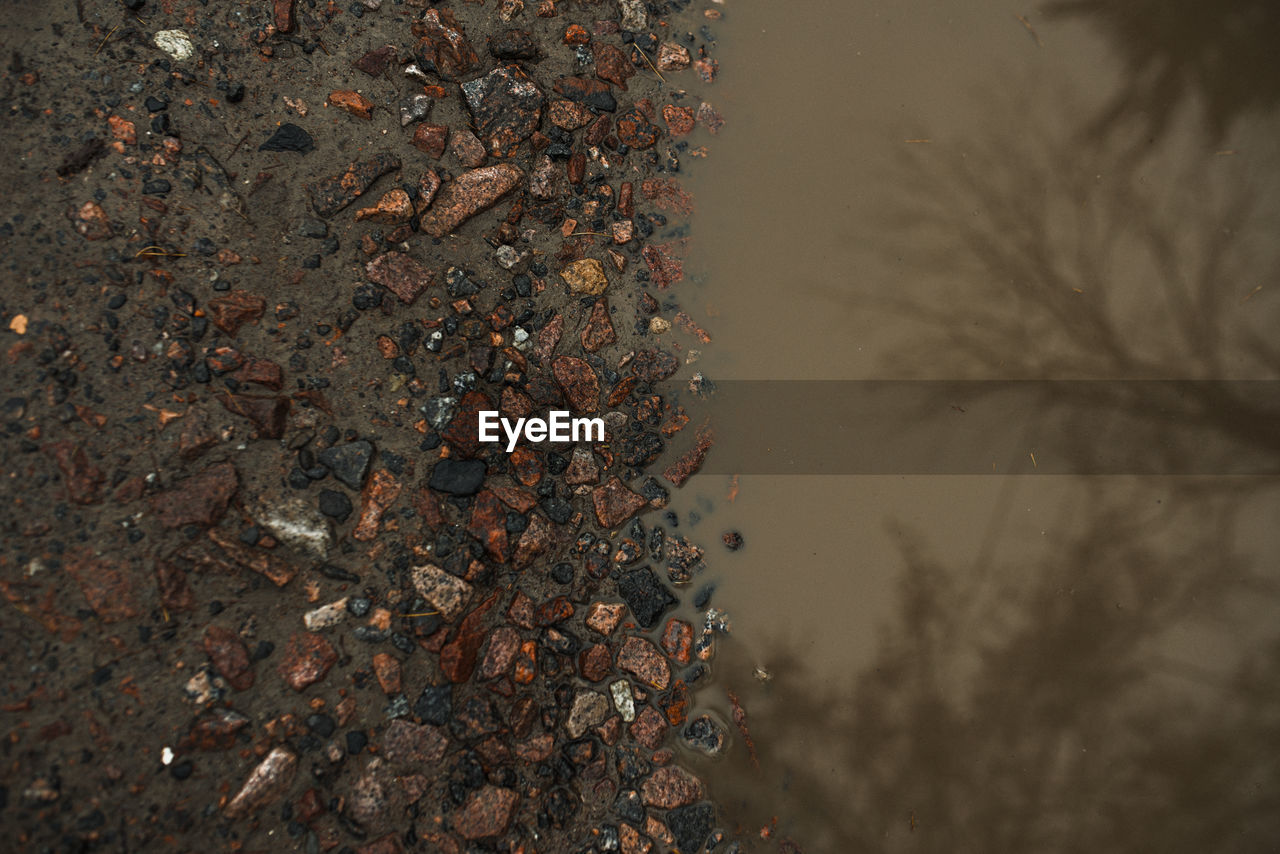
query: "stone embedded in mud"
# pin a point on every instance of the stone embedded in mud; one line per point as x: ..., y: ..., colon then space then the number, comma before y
x: 349, y: 462
x: 670, y: 787
x: 386, y: 668
x: 569, y: 115
x: 443, y: 47
x: 672, y: 57
x: 457, y: 477
x: 332, y: 194
x: 413, y: 744
x: 431, y: 139
x: 353, y: 102
x: 654, y: 366
x: 632, y: 16
x: 677, y: 640
x: 282, y: 15
x: 435, y: 704
x: 488, y: 524
x: 82, y: 478
x: 709, y: 117
x: 90, y: 221
x: 689, y: 463
x: 632, y: 841
x: 229, y: 657
x: 598, y: 331
x: 265, y: 783
x: 691, y: 825
x: 175, y: 592
x: 535, y: 541
x: 642, y: 659
x: 589, y: 709
x: 267, y: 413
x: 446, y: 593
x: 603, y: 617
x: 198, y: 500
x: 486, y: 814
x: 612, y: 64
x: 369, y: 801
x: 614, y: 503
x: 237, y: 308
x: 635, y: 129
x: 664, y: 269
x: 587, y: 91
x: 544, y: 180
x: 680, y: 120
x: 580, y: 384
x: 468, y: 149
x: 375, y: 62
x: 307, y: 659
x: 504, y: 644
x: 513, y: 44
x: 505, y: 106
x: 289, y: 137
x: 400, y: 274
x: 458, y: 657
x: 649, y: 728
x: 394, y: 207
x: 585, y: 277
x: 326, y: 616
x: 646, y: 595
x: 705, y: 735
x: 582, y: 468
x: 468, y: 195
x: 595, y: 662
x: 106, y: 586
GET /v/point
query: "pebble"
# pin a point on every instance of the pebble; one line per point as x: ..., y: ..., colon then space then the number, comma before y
x: 307, y: 659
x: 589, y: 709
x: 640, y: 657
x: 349, y: 462
x: 585, y: 277
x: 468, y: 195
x: 446, y: 593
x: 267, y: 782
x: 487, y: 813
x: 620, y: 690
x: 646, y: 595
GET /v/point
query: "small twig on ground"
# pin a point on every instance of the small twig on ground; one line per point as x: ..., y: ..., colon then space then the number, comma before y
x: 1030, y: 29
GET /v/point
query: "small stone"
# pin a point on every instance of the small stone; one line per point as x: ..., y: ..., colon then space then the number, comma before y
x: 394, y: 207
x: 680, y: 120
x: 457, y: 477
x: 435, y: 704
x: 446, y: 593
x: 670, y: 787
x: 513, y: 44
x: 595, y: 662
x: 589, y: 709
x: 677, y: 640
x: 569, y: 115
x: 635, y: 129
x: 614, y: 503
x: 282, y: 15
x: 659, y: 325
x: 335, y: 505
x: 444, y: 48
x: 176, y: 43
x: 632, y: 16
x: 588, y: 92
x: 598, y: 331
x: 504, y: 644
x: 400, y: 274
x: 603, y: 617
x: 267, y: 413
x: 229, y: 657
x: 672, y: 57
x: 307, y: 659
x: 486, y: 814
x: 265, y: 783
x: 198, y: 500
x: 348, y: 462
x: 90, y: 221
x: 582, y: 468
x: 544, y: 180
x: 468, y: 195
x: 505, y: 106
x: 705, y: 735
x: 709, y: 117
x: 585, y: 277
x: 641, y: 658
x: 431, y: 139
x: 375, y: 62
x: 332, y: 194
x: 353, y: 102
x: 407, y: 743
x: 326, y: 616
x: 379, y: 494
x: 691, y: 825
x: 579, y: 383
x: 235, y: 309
x: 458, y: 657
x: 649, y: 728
x: 468, y: 149
x: 386, y: 668
x: 613, y: 65
x: 289, y: 137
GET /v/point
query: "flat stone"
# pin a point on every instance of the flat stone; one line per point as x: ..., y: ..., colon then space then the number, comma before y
x: 457, y: 477
x: 632, y: 16
x: 670, y: 787
x: 332, y: 194
x: 387, y: 670
x: 614, y: 503
x: 598, y: 331
x: 468, y: 149
x: 448, y: 594
x: 582, y: 468
x: 672, y: 57
x: 646, y: 595
x: 649, y: 728
x: 635, y: 129
x: 544, y: 180
x: 348, y: 462
x: 589, y: 709
x: 620, y: 690
x: 680, y: 120
x: 408, y: 743
x: 612, y: 64
x: 307, y: 659
x: 642, y: 659
x: 400, y: 274
x: 486, y: 814
x: 468, y: 195
x: 352, y: 102
x: 267, y: 413
x: 653, y: 366
x: 595, y: 662
x: 444, y: 47
x: 267, y: 782
x: 603, y: 617
x: 229, y: 657
x: 691, y: 825
x: 505, y: 106
x: 198, y: 500
x: 587, y: 91
x: 569, y: 115
x: 106, y: 585
x: 677, y: 640
x: 393, y: 208
x: 375, y: 62
x: 458, y: 657
x: 504, y: 644
x: 435, y: 704
x: 237, y: 308
x: 580, y: 384
x: 431, y: 139
x: 585, y: 277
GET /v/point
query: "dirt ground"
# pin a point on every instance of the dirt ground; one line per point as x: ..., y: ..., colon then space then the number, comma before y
x: 263, y: 588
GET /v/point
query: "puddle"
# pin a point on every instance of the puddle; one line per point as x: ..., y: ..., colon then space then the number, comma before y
x: 965, y: 662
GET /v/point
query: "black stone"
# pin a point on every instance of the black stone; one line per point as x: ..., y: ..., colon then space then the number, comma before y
x: 288, y: 137
x: 321, y: 724
x: 435, y: 704
x: 691, y: 825
x: 645, y: 595
x: 513, y: 44
x: 628, y: 806
x: 349, y: 463
x: 457, y: 477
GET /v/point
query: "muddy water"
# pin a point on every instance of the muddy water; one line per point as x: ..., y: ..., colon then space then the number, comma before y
x: 991, y: 191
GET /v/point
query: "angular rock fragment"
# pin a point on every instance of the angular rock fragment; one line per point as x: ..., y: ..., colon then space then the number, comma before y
x: 375, y: 62
x: 394, y: 207
x: 486, y: 814
x: 82, y: 478
x: 267, y: 413
x: 691, y: 825
x: 332, y: 194
x: 569, y: 115
x: 598, y: 331
x: 614, y: 503
x: 646, y: 596
x: 513, y: 44
x: 198, y: 500
x: 265, y: 783
x: 413, y: 744
x: 400, y: 274
x: 589, y: 709
x: 635, y: 129
x: 468, y: 149
x: 446, y: 593
x: 580, y: 384
x: 352, y: 102
x: 289, y: 137
x: 237, y: 308
x: 672, y: 57
x: 670, y: 787
x: 229, y: 657
x: 458, y: 657
x: 307, y: 659
x: 585, y: 277
x: 468, y: 195
x: 105, y: 584
x: 431, y: 139
x: 506, y: 107
x: 444, y: 47
x: 282, y: 15
x: 587, y: 91
x: 642, y: 659
x: 457, y: 477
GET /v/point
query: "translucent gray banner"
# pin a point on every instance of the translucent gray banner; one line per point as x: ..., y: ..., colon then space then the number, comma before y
x: 984, y: 427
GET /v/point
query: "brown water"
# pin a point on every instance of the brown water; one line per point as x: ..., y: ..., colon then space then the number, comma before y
x: 915, y: 190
